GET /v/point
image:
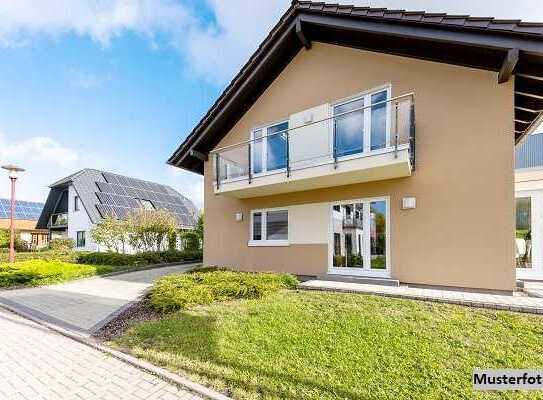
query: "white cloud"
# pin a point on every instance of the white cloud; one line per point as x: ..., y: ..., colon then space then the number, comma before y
x: 45, y: 161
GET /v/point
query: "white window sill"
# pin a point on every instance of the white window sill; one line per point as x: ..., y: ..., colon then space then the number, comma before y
x: 268, y: 243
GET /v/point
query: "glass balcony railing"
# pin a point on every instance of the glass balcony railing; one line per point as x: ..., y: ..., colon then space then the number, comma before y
x: 354, y: 130
x: 58, y: 220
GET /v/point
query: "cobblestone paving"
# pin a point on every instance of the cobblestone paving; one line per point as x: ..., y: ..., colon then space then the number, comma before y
x: 39, y: 364
x: 82, y: 306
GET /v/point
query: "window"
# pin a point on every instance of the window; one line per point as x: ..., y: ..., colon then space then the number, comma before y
x: 80, y: 239
x: 76, y: 203
x: 269, y: 228
x: 269, y: 148
x: 358, y: 129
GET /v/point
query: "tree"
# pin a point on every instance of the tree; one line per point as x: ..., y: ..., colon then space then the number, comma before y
x: 194, y: 239
x: 149, y: 230
x: 112, y: 233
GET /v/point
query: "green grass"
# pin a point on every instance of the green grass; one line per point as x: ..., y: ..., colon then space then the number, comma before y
x: 312, y: 345
x: 46, y: 272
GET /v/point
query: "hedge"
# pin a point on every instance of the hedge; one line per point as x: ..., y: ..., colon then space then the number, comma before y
x: 200, y: 287
x: 39, y: 255
x: 147, y: 258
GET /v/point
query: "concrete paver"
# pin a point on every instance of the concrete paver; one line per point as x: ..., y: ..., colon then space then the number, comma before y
x: 39, y: 364
x: 514, y: 302
x: 83, y: 306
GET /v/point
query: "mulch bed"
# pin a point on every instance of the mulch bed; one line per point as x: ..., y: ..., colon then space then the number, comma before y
x: 138, y: 312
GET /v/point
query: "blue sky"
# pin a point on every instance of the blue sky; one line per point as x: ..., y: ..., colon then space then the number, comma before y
x: 118, y: 84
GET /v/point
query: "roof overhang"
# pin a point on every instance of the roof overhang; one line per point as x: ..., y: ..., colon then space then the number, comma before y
x: 505, y: 47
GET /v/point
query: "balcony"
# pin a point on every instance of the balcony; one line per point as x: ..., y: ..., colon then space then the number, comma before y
x: 352, y: 223
x: 59, y: 220
x: 367, y: 139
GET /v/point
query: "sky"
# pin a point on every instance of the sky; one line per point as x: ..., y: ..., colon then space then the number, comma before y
x: 118, y: 84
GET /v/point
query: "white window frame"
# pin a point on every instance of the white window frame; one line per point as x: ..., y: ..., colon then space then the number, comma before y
x: 366, y: 95
x: 264, y: 155
x: 84, y: 239
x: 264, y: 242
x: 366, y: 240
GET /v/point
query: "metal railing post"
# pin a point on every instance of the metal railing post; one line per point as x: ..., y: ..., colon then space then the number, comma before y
x: 217, y: 170
x: 288, y: 154
x: 412, y: 133
x: 335, y: 144
x: 249, y: 173
x: 396, y: 107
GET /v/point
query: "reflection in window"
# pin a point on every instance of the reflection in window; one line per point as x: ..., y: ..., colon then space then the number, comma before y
x: 378, y: 121
x: 378, y: 234
x: 348, y: 235
x: 277, y: 225
x: 277, y: 147
x: 349, y: 128
x: 257, y: 226
x: 523, y: 240
x: 257, y: 151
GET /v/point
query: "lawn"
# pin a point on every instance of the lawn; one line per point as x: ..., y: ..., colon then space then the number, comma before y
x: 314, y: 345
x: 45, y: 272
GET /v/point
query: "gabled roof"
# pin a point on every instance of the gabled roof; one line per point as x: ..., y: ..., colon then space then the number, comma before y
x: 504, y: 46
x: 104, y: 193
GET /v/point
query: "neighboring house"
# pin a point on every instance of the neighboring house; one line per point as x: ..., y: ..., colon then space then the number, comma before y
x: 323, y: 116
x: 26, y: 217
x: 78, y: 202
x: 529, y: 207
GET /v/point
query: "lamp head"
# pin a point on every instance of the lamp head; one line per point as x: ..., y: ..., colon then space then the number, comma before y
x: 13, y: 170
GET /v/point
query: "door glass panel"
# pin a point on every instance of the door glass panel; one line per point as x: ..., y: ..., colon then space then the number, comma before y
x: 523, y: 240
x: 378, y: 234
x: 378, y: 121
x: 349, y: 128
x: 277, y: 225
x: 277, y: 147
x: 257, y: 152
x: 348, y: 235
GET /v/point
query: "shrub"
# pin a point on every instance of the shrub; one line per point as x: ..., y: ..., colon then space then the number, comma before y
x: 61, y: 245
x: 180, y: 291
x: 146, y: 258
x: 40, y: 255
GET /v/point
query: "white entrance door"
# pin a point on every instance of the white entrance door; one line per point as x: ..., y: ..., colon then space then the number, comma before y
x: 359, y: 242
x: 529, y: 234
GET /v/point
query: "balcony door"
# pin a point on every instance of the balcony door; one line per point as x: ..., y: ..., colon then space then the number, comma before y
x: 269, y: 148
x: 361, y: 124
x: 529, y: 235
x: 359, y: 241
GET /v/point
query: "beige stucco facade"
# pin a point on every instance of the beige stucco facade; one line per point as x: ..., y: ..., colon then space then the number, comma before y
x: 460, y: 234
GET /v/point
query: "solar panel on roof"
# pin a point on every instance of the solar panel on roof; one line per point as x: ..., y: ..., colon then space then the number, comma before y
x: 26, y: 210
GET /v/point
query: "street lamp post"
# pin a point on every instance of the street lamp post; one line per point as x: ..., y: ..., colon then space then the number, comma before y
x: 13, y: 173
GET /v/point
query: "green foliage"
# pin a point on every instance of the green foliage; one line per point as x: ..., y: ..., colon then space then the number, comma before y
x: 62, y: 246
x: 335, y: 346
x: 39, y: 255
x: 139, y: 259
x: 112, y: 233
x: 45, y: 272
x: 4, y: 238
x: 185, y: 290
x: 194, y: 239
x: 150, y: 230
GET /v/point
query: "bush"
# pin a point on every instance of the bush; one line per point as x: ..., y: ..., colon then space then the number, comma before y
x: 139, y: 259
x: 39, y: 255
x: 180, y: 291
x: 61, y: 245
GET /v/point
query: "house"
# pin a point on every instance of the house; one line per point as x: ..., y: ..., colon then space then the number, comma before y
x: 75, y: 204
x: 529, y: 207
x: 410, y: 118
x: 25, y: 219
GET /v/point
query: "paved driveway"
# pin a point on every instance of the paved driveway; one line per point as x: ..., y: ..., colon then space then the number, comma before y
x: 85, y: 305
x: 39, y: 364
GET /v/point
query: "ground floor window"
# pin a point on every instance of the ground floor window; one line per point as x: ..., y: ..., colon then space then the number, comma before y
x: 80, y: 239
x: 269, y: 227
